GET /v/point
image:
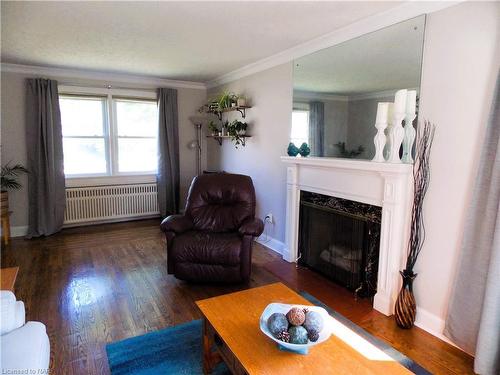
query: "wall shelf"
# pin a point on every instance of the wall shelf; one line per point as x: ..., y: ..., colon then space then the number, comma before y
x: 241, y: 109
x: 219, y: 138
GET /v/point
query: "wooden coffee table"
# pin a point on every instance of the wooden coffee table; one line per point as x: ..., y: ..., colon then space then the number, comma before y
x: 8, y: 278
x: 231, y: 334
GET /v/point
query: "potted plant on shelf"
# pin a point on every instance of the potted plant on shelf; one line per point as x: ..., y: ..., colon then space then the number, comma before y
x: 405, y: 310
x: 213, y: 128
x: 225, y: 100
x: 9, y: 180
x: 237, y: 130
x: 241, y: 101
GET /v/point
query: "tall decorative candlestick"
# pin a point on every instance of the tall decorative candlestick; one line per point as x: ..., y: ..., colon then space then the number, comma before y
x: 381, y: 123
x: 409, y: 138
x: 397, y: 132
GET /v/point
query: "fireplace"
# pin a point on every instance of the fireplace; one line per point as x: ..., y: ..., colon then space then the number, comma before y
x: 340, y: 239
x: 386, y: 186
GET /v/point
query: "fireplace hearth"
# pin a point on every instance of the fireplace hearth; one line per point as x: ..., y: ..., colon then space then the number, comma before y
x: 340, y: 239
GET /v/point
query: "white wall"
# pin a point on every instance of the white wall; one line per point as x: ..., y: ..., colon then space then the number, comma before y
x: 461, y: 63
x: 269, y: 124
x: 13, y: 132
x: 460, y: 66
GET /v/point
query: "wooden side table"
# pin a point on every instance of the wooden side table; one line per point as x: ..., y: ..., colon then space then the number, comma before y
x: 8, y: 278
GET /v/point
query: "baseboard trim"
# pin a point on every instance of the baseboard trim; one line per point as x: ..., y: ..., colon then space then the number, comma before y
x: 273, y: 244
x: 432, y: 324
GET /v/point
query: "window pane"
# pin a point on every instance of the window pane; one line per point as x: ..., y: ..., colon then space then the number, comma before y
x: 300, y: 127
x: 84, y: 156
x: 136, y: 118
x: 82, y: 116
x: 137, y: 154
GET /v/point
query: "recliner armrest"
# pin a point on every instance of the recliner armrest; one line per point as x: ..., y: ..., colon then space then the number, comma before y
x: 251, y: 227
x: 176, y: 224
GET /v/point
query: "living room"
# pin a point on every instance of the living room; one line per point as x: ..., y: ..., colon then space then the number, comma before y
x: 250, y: 187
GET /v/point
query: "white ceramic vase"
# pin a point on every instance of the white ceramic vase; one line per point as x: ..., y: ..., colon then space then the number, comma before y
x: 409, y: 139
x: 396, y: 136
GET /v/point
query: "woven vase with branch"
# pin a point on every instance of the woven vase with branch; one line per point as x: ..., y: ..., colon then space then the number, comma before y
x: 406, y: 307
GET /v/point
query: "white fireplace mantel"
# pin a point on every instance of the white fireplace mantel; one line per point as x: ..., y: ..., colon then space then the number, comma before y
x: 380, y: 184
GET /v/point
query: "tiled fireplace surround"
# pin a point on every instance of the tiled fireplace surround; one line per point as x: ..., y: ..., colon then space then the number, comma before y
x: 381, y: 184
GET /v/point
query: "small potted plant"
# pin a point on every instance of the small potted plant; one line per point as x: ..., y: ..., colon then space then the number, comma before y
x: 225, y: 128
x: 225, y: 99
x: 9, y: 181
x: 241, y: 127
x: 237, y: 130
x: 213, y: 128
x: 233, y: 99
x: 241, y: 101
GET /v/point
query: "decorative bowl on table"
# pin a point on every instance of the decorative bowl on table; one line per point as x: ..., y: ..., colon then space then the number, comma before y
x: 295, y: 328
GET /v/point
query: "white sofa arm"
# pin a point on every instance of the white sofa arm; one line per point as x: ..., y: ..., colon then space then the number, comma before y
x: 12, y: 313
x: 24, y: 349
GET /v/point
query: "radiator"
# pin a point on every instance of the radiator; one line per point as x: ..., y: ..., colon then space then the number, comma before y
x: 95, y: 204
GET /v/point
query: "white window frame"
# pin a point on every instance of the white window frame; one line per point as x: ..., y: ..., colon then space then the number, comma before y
x: 112, y: 176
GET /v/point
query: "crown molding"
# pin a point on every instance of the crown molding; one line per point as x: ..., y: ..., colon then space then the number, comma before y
x: 379, y: 94
x: 308, y: 95
x: 403, y: 12
x: 68, y: 74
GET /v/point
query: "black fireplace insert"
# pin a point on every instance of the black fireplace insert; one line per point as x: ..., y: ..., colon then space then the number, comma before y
x: 340, y: 239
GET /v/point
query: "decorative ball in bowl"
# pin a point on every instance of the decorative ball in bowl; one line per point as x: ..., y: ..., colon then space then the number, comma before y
x: 295, y: 328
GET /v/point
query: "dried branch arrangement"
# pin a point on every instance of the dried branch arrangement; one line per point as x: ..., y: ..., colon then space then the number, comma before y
x: 421, y: 179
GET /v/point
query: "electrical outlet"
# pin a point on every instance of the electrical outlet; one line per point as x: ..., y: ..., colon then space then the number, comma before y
x: 269, y: 218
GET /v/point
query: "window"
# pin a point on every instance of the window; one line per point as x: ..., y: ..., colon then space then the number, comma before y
x: 300, y: 127
x: 108, y: 135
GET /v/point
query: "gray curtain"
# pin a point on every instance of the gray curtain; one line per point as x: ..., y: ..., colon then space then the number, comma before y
x: 45, y: 158
x: 473, y: 320
x: 316, y: 128
x: 168, y: 158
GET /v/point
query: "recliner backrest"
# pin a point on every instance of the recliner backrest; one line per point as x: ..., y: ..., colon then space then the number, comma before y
x: 220, y: 202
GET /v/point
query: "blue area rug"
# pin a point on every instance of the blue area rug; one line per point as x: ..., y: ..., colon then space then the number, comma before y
x: 178, y: 350
x: 175, y: 350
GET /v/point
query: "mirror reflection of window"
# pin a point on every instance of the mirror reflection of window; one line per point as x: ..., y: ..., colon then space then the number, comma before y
x: 336, y: 90
x: 300, y: 127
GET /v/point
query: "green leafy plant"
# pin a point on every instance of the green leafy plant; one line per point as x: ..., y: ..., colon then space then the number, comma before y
x: 225, y: 100
x: 236, y: 130
x: 212, y: 126
x: 351, y: 154
x: 9, y: 176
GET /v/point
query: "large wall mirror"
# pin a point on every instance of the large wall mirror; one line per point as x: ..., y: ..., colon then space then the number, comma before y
x: 337, y: 90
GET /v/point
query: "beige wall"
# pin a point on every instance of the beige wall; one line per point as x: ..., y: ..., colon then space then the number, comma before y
x: 13, y: 130
x: 361, y: 124
x: 269, y: 124
x: 459, y: 71
x: 336, y: 117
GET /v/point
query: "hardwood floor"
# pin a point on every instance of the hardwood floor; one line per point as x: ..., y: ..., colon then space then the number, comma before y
x: 95, y: 285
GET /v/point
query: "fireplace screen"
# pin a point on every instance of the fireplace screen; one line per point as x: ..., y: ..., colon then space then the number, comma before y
x: 340, y: 239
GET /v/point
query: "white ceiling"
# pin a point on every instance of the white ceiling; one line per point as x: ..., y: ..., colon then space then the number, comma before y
x: 195, y: 41
x: 386, y: 59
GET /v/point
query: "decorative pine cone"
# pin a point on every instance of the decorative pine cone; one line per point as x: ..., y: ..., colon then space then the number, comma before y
x: 296, y: 316
x: 313, y: 336
x: 283, y: 336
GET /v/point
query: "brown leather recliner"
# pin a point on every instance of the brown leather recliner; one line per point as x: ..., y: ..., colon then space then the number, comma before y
x: 212, y: 241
